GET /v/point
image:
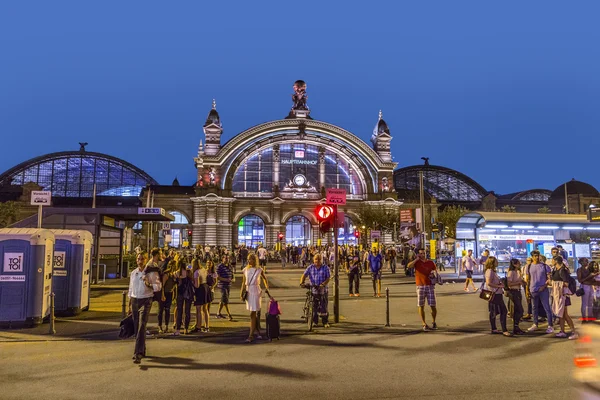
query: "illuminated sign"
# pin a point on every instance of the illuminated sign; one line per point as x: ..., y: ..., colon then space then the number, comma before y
x: 299, y: 153
x: 516, y: 237
x: 308, y: 162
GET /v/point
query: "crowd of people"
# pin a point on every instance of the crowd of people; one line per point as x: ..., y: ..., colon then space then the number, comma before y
x: 192, y: 279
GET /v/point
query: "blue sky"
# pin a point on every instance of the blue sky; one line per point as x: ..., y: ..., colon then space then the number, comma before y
x: 505, y: 92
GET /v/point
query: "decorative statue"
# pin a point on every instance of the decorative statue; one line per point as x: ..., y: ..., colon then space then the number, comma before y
x: 212, y: 175
x: 384, y: 184
x: 299, y: 97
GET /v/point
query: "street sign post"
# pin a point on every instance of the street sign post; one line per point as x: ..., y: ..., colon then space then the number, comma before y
x: 40, y: 199
x: 336, y: 196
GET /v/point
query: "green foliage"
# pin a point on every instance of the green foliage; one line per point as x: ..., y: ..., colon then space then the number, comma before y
x: 508, y: 209
x: 449, y: 216
x: 378, y: 217
x: 544, y: 210
x: 9, y: 213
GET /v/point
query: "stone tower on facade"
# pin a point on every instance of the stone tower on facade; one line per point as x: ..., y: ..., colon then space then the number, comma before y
x: 213, y: 129
x: 381, y: 139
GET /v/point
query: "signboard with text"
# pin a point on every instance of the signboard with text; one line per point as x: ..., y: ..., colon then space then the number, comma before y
x: 40, y: 198
x: 151, y: 211
x: 13, y: 262
x: 336, y: 196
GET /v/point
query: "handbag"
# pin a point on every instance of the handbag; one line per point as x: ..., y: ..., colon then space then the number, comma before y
x: 244, y: 294
x: 485, y: 294
x: 579, y: 292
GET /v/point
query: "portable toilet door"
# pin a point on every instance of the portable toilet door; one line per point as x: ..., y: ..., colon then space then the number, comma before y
x: 71, y: 270
x: 25, y: 276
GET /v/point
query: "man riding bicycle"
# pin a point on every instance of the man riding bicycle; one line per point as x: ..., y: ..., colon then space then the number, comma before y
x: 319, y: 276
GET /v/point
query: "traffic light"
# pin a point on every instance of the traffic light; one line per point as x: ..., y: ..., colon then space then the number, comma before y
x: 280, y: 236
x: 189, y: 233
x: 324, y: 214
x: 356, y: 234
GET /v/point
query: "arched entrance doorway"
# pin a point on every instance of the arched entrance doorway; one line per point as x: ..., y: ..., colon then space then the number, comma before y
x: 251, y: 231
x: 346, y: 234
x: 298, y: 231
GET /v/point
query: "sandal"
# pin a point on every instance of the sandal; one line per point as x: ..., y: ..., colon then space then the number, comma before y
x: 249, y: 340
x: 507, y: 334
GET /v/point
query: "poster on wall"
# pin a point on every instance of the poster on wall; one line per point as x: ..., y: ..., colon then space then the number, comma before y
x: 409, y: 234
x: 582, y: 250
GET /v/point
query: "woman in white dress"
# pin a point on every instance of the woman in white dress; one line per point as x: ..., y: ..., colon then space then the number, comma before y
x: 252, y: 276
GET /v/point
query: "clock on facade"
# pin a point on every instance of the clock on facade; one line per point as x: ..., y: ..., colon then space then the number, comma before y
x: 299, y: 180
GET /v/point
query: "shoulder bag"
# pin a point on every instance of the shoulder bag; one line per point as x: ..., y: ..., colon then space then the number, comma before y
x: 485, y: 294
x: 244, y: 295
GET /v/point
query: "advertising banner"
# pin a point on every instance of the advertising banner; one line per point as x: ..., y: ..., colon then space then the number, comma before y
x: 409, y: 234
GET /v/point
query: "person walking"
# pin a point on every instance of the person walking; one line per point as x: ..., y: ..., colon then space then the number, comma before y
x: 425, y: 289
x: 537, y: 276
x: 140, y: 303
x: 262, y: 258
x: 185, y: 297
x: 496, y: 304
x: 560, y: 298
x: 468, y: 264
x: 375, y: 264
x: 224, y: 278
x: 515, y: 280
x: 353, y: 271
x: 244, y: 256
x: 251, y: 278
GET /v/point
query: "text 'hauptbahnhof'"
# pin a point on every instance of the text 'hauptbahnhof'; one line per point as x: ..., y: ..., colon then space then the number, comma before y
x: 269, y: 178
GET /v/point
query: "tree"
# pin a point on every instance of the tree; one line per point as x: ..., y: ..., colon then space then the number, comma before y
x: 544, y: 210
x: 378, y: 217
x: 9, y: 213
x: 508, y: 209
x: 449, y: 216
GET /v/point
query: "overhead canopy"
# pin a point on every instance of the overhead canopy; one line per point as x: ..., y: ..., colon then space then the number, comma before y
x: 563, y: 221
x: 117, y: 213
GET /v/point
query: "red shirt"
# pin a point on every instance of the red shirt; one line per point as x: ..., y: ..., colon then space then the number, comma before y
x: 422, y: 271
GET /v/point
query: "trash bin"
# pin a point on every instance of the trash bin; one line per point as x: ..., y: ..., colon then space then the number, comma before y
x: 25, y: 276
x: 71, y: 271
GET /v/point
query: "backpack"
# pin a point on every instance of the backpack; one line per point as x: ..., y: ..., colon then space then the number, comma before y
x: 572, y: 285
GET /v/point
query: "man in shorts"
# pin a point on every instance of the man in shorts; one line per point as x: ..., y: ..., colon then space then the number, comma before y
x: 468, y: 264
x: 425, y: 289
x: 224, y: 278
x: 262, y: 258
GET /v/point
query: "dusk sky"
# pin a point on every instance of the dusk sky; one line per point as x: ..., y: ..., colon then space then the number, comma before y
x: 504, y: 92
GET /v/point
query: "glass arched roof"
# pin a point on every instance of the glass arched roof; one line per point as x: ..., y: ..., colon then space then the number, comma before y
x: 73, y: 174
x: 442, y: 183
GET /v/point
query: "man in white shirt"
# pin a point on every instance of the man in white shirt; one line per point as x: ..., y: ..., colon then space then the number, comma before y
x: 468, y: 265
x: 140, y: 303
x: 262, y: 258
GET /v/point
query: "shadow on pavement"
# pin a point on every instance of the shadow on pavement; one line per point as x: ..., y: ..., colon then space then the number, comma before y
x: 181, y: 363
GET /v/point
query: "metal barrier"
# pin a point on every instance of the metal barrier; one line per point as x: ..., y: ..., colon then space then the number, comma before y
x: 387, y: 306
x: 52, y: 331
x: 104, y: 273
x: 124, y: 306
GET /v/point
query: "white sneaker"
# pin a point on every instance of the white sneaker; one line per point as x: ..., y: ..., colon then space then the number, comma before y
x: 573, y: 336
x: 561, y: 335
x: 550, y: 330
x: 532, y: 328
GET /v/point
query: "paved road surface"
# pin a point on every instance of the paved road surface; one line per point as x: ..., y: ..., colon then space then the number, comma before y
x: 356, y: 359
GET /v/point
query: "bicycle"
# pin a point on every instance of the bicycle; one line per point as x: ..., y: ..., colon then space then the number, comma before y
x: 311, y: 305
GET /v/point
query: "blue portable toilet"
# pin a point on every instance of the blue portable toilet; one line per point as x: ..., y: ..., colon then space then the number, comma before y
x: 71, y: 271
x: 25, y: 276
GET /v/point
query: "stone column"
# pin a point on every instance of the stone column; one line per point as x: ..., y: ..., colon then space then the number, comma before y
x: 321, y: 167
x: 276, y: 165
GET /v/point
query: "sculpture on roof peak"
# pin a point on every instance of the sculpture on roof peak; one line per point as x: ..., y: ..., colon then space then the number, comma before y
x: 299, y: 97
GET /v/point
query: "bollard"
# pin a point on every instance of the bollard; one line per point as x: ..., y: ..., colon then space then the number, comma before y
x: 124, y: 306
x: 52, y: 331
x: 387, y: 306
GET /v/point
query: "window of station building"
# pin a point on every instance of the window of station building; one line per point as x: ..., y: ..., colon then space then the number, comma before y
x: 251, y: 231
x: 255, y: 174
x: 179, y: 218
x: 346, y: 234
x: 298, y: 231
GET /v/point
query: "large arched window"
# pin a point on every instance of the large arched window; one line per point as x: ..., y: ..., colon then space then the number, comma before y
x: 299, y: 165
x: 251, y: 231
x: 297, y: 231
x: 179, y: 218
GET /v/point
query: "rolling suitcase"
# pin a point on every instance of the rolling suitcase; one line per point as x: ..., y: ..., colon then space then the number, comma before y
x: 273, y: 326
